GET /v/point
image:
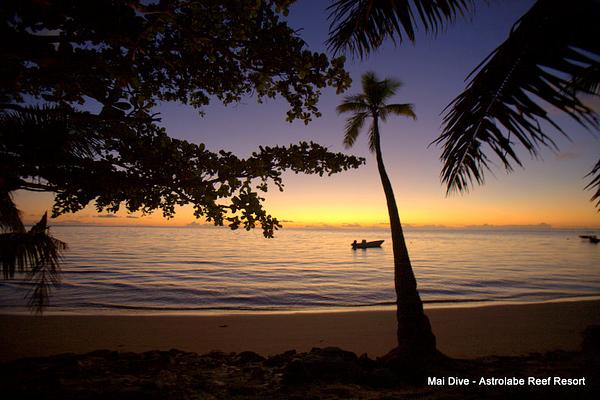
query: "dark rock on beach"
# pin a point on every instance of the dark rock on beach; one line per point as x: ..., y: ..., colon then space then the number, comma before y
x: 327, y: 373
x: 329, y: 364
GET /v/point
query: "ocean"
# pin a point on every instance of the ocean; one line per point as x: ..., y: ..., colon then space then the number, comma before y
x: 149, y: 270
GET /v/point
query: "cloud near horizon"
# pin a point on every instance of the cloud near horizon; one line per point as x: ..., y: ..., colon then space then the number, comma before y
x: 568, y: 155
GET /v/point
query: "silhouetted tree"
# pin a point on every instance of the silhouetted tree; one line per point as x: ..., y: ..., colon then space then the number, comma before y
x: 361, y: 26
x: 79, y: 84
x: 552, y: 54
x: 415, y: 338
x: 34, y: 252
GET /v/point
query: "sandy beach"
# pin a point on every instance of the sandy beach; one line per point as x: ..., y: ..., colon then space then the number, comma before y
x: 465, y: 332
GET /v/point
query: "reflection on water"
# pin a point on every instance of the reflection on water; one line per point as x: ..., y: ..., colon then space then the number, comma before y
x: 152, y: 269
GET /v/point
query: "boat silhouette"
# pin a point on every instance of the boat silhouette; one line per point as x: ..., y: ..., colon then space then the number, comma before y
x: 366, y: 245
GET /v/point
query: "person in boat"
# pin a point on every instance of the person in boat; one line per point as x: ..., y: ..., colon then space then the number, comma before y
x: 362, y: 244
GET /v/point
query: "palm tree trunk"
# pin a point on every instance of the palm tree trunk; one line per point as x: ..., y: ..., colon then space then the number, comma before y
x: 416, y: 340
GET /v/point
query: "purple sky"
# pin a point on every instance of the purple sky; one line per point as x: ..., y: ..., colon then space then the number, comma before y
x: 433, y: 70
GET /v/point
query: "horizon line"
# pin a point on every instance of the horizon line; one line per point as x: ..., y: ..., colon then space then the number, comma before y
x: 192, y: 225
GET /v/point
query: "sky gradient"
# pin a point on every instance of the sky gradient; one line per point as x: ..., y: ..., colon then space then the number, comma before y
x: 548, y: 190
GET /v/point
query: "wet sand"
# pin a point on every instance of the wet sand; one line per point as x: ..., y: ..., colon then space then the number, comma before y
x: 466, y: 332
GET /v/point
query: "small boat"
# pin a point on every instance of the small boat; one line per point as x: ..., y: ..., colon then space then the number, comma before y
x: 365, y: 245
x: 591, y: 238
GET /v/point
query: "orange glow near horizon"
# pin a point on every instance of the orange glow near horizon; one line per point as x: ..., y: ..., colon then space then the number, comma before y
x: 299, y: 206
x: 548, y: 189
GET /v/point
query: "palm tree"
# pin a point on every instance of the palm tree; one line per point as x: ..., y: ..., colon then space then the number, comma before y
x: 552, y: 54
x: 34, y: 252
x: 415, y: 339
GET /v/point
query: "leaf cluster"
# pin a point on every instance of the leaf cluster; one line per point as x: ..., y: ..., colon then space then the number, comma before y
x: 33, y: 252
x: 81, y: 79
x: 127, y: 56
x: 550, y: 58
x: 371, y: 103
x: 138, y: 166
x: 549, y: 48
x: 79, y: 83
x: 361, y: 26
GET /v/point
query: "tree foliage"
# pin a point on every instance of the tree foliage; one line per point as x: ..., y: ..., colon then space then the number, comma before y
x: 371, y: 103
x: 80, y: 82
x: 416, y: 341
x: 551, y: 50
x: 34, y: 252
x: 595, y: 184
x: 127, y: 56
x: 361, y: 26
x: 143, y: 169
x: 550, y: 57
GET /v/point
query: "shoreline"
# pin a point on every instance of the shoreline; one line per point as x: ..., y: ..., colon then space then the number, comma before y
x: 216, y: 312
x: 462, y: 332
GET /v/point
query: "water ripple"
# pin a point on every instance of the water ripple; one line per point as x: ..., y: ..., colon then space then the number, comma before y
x: 160, y: 269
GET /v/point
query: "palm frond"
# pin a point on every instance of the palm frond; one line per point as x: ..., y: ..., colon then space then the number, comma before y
x: 35, y: 253
x: 376, y: 91
x: 49, y: 131
x: 595, y: 184
x: 10, y: 216
x: 353, y: 126
x: 501, y: 106
x: 371, y: 103
x: 406, y: 110
x: 588, y: 81
x: 361, y: 26
x: 352, y: 104
x: 389, y: 87
x: 369, y: 81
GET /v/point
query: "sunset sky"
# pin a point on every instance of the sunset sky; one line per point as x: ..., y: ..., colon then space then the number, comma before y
x: 548, y: 190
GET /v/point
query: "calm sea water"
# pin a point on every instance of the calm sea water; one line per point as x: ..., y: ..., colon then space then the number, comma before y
x: 151, y: 270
